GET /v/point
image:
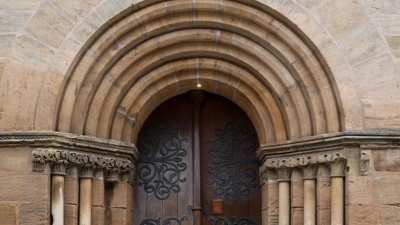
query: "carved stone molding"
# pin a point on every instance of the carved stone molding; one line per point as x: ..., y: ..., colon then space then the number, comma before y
x: 328, y: 142
x: 365, y: 161
x: 87, y: 163
x: 308, y: 165
x: 70, y: 142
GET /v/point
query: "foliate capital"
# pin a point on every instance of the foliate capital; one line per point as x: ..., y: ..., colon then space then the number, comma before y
x: 283, y: 173
x: 59, y: 160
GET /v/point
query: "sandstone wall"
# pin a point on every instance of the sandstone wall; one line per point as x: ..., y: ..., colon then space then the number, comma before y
x: 24, y: 194
x: 375, y: 199
x: 359, y: 40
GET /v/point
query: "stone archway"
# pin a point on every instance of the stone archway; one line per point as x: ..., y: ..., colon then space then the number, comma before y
x: 245, y: 52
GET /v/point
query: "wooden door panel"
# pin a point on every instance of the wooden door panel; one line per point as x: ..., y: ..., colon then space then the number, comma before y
x: 229, y: 168
x: 229, y: 163
x: 164, y: 179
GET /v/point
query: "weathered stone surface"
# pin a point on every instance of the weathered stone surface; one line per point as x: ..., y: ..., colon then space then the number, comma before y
x: 323, y: 215
x: 119, y: 195
x: 34, y: 213
x: 98, y: 215
x: 15, y: 159
x: 13, y: 21
x: 71, y: 184
x: 74, y: 9
x: 386, y: 189
x: 323, y: 192
x: 24, y: 187
x: 394, y: 45
x: 22, y: 5
x: 86, y: 29
x: 7, y: 214
x: 6, y: 41
x: 359, y: 190
x: 119, y: 216
x: 387, y: 160
x: 97, y: 192
x: 70, y: 214
x: 49, y: 26
x: 363, y: 44
x: 389, y: 215
x: 362, y: 214
x: 297, y: 194
x: 297, y: 216
x: 31, y: 52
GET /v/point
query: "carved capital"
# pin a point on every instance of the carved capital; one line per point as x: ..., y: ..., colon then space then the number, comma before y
x: 337, y: 164
x: 283, y: 173
x: 309, y: 171
x: 59, y: 168
x: 86, y: 172
x: 365, y: 160
x: 87, y: 163
x: 263, y: 173
x: 196, y: 97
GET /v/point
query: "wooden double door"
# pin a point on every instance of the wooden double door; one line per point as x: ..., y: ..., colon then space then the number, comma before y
x: 197, y: 164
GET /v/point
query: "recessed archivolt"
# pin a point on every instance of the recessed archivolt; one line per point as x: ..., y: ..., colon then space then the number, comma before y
x: 240, y: 52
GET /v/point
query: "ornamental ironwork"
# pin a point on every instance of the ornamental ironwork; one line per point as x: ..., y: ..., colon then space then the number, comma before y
x: 231, y: 155
x: 166, y: 221
x: 236, y: 221
x: 160, y: 160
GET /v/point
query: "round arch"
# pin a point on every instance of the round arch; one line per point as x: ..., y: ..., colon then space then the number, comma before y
x: 243, y: 51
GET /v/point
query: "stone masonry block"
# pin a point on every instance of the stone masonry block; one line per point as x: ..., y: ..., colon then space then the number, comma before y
x: 394, y: 45
x: 323, y: 191
x: 15, y: 159
x: 97, y: 192
x: 98, y: 215
x: 70, y: 214
x: 297, y: 216
x: 49, y: 26
x: 297, y: 194
x: 359, y: 190
x: 388, y: 160
x: 390, y: 215
x: 386, y: 189
x: 71, y: 185
x: 7, y: 214
x: 361, y: 215
x: 24, y: 187
x: 34, y: 213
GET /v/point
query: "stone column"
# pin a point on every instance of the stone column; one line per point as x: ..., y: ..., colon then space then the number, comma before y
x: 337, y: 166
x: 57, y: 193
x: 284, y: 195
x: 85, y: 196
x: 310, y: 207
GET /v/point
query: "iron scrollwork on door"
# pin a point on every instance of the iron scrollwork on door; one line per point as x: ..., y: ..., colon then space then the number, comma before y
x: 236, y: 221
x: 231, y: 154
x: 166, y: 222
x: 160, y: 160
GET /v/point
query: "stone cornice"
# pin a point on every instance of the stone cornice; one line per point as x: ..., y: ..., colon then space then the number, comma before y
x: 67, y: 141
x: 327, y: 142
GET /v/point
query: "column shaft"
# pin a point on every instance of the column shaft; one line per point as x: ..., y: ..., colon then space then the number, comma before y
x: 337, y: 201
x: 85, y: 201
x: 57, y: 199
x: 309, y: 202
x: 284, y: 203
